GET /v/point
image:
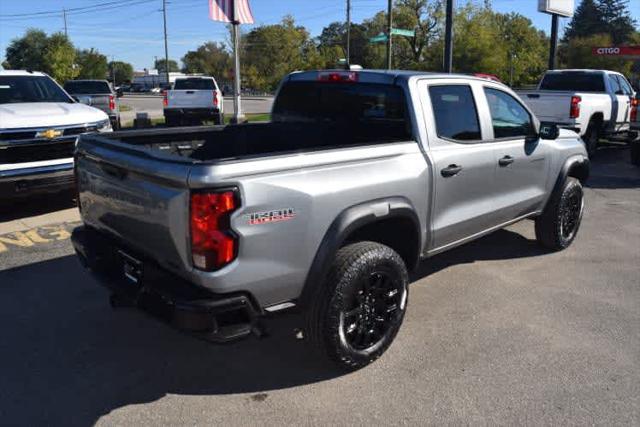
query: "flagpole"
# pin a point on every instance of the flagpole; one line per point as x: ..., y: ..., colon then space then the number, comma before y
x: 238, y: 117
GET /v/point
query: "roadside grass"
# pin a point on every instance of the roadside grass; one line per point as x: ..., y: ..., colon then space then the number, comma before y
x: 125, y: 107
x: 159, y: 121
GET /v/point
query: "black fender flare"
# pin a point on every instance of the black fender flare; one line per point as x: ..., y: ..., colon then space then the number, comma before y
x: 575, y: 163
x: 349, y: 220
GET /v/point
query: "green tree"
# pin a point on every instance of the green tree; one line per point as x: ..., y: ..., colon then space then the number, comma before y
x: 211, y: 58
x: 160, y: 66
x: 272, y: 51
x: 26, y: 52
x: 586, y: 21
x: 91, y: 64
x: 59, y: 58
x: 332, y: 43
x: 120, y: 71
x: 617, y: 18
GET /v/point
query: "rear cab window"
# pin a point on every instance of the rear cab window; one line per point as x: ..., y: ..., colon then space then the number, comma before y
x: 87, y: 87
x: 194, y: 84
x: 455, y: 112
x: 573, y: 81
x: 368, y: 112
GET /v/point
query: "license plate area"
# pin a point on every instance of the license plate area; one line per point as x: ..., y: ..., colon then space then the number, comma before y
x: 132, y: 270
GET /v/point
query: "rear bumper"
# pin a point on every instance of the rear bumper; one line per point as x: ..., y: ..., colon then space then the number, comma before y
x: 23, y: 182
x: 213, y: 317
x: 199, y: 113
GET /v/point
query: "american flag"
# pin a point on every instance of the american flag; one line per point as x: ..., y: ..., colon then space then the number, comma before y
x: 222, y: 10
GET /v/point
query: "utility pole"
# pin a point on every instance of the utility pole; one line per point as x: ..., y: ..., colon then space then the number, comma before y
x: 348, y: 58
x: 554, y: 42
x: 113, y: 74
x: 238, y: 117
x: 389, y: 25
x: 448, y: 38
x: 166, y: 48
x: 64, y: 16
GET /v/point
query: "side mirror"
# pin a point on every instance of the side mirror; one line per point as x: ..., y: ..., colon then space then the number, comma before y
x: 549, y: 131
x: 119, y: 92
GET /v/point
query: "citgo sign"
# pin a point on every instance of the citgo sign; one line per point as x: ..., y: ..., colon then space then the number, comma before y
x: 616, y: 51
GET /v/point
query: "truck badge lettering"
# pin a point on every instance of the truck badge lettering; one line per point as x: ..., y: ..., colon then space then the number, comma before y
x: 276, y: 215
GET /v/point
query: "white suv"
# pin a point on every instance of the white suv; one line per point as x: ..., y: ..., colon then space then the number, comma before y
x: 39, y: 126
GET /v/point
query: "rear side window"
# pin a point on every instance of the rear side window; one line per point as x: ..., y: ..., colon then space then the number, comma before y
x: 86, y: 88
x: 194, y: 84
x: 508, y: 117
x: 615, y: 85
x: 575, y: 81
x: 455, y: 112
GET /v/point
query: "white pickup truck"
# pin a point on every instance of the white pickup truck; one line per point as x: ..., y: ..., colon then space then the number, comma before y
x: 193, y: 100
x: 39, y: 128
x: 594, y: 103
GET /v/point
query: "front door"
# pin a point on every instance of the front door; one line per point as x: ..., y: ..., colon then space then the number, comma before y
x: 464, y: 166
x: 522, y: 160
x: 621, y: 100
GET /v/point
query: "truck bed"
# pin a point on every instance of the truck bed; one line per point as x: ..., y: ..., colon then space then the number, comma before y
x: 232, y: 142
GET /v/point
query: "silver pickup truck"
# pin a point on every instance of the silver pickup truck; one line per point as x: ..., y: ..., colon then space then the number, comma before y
x: 326, y: 208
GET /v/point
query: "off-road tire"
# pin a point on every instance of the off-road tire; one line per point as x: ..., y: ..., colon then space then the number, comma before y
x: 326, y: 316
x: 552, y: 230
x: 591, y: 137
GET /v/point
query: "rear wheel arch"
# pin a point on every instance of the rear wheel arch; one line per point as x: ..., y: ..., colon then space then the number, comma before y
x: 398, y: 228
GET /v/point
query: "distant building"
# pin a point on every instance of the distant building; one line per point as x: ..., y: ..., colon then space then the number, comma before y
x: 148, y: 79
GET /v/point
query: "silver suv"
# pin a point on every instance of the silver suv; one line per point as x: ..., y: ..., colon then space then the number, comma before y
x: 358, y: 177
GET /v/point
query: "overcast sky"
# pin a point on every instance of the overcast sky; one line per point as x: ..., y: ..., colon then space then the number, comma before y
x: 133, y: 32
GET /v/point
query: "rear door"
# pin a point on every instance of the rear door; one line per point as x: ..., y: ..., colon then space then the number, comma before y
x: 522, y: 160
x: 464, y: 166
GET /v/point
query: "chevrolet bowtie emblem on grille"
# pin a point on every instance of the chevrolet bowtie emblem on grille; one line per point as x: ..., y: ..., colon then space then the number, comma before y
x: 49, y: 133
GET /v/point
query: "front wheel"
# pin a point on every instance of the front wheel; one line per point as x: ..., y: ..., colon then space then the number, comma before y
x: 558, y: 225
x: 359, y: 309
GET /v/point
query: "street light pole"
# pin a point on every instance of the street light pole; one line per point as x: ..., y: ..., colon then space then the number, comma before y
x: 554, y: 42
x: 448, y: 38
x: 238, y: 117
x: 64, y: 15
x: 166, y: 48
x: 348, y: 55
x: 389, y: 26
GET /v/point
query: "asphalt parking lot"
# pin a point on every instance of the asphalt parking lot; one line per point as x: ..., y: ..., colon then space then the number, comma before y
x: 497, y: 332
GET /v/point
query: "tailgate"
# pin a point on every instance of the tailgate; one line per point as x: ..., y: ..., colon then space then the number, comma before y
x: 141, y: 200
x: 190, y: 99
x: 549, y: 106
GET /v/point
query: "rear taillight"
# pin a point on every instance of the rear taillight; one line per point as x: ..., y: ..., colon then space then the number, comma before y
x: 215, y: 98
x: 213, y: 244
x: 338, y: 77
x: 574, y: 110
x: 112, y: 102
x: 634, y: 109
x: 165, y: 100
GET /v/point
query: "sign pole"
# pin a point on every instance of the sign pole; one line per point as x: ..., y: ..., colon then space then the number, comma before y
x: 448, y: 38
x: 389, y: 25
x: 553, y: 47
x: 238, y: 117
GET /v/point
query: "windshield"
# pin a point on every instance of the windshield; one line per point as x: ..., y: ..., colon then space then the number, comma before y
x: 87, y: 87
x: 16, y: 89
x: 575, y: 81
x: 194, y: 84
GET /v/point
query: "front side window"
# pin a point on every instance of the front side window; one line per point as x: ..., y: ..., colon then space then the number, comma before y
x: 508, y: 117
x: 626, y: 87
x: 454, y: 110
